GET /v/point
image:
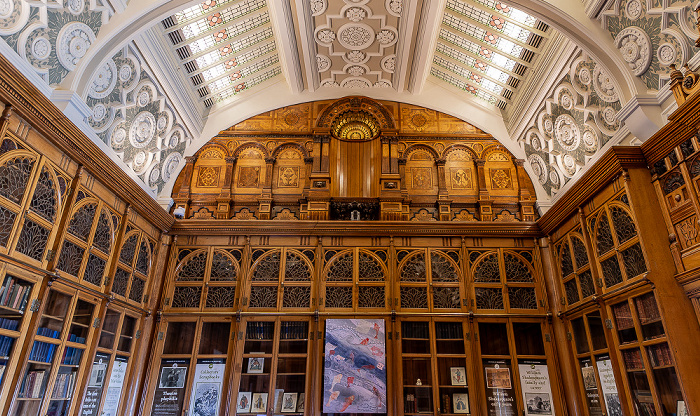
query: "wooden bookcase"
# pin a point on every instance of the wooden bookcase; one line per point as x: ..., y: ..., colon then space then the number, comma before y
x: 56, y: 360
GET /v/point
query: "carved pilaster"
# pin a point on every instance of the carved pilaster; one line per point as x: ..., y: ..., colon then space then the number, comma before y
x: 223, y: 202
x: 5, y: 120
x: 527, y: 206
x: 183, y: 195
x: 485, y: 204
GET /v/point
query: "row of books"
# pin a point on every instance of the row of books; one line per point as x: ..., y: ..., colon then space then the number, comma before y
x: 32, y: 388
x: 75, y: 338
x: 260, y: 330
x: 63, y: 386
x: 294, y: 330
x: 660, y: 355
x: 71, y: 356
x: 11, y: 324
x: 448, y: 330
x: 411, y: 405
x: 415, y: 330
x: 5, y: 345
x: 46, y: 332
x: 42, y: 351
x: 633, y: 359
x: 647, y: 309
x: 14, y: 294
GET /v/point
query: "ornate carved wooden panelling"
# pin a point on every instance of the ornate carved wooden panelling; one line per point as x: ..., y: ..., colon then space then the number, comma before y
x: 322, y: 160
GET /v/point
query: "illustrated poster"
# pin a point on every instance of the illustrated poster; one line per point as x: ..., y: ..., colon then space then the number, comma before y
x: 170, y: 390
x: 206, y: 387
x: 608, y: 386
x: 537, y: 391
x: 93, y: 392
x: 114, y: 387
x: 354, y: 376
x: 499, y: 388
x: 590, y: 387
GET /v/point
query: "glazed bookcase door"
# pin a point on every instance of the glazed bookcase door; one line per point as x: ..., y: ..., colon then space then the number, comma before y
x: 280, y: 279
x: 429, y: 279
x: 355, y: 279
x: 647, y: 357
x: 135, y: 259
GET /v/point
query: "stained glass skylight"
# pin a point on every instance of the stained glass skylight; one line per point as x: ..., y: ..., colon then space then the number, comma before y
x: 225, y: 46
x: 485, y: 47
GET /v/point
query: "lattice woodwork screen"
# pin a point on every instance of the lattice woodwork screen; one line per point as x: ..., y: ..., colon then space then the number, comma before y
x: 133, y: 268
x: 355, y: 279
x: 574, y: 266
x: 504, y: 280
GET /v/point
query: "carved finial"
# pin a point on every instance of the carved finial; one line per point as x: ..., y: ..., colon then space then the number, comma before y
x: 675, y: 73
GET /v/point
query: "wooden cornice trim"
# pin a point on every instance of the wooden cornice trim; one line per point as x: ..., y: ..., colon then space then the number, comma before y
x: 355, y: 228
x: 37, y: 110
x: 599, y: 175
x: 682, y: 125
x: 689, y: 276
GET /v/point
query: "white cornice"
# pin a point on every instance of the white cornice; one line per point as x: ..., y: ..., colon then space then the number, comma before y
x: 26, y: 68
x: 426, y: 39
x: 286, y: 40
x: 160, y: 59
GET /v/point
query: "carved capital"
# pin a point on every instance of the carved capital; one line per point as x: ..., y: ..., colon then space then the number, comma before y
x: 480, y: 162
x: 231, y: 159
x: 270, y: 160
x: 308, y: 160
x: 190, y: 159
x: 402, y: 161
x: 440, y: 162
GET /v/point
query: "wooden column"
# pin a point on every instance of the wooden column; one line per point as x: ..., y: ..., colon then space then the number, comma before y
x: 527, y: 205
x: 485, y: 208
x: 444, y: 204
x: 223, y: 202
x: 183, y: 195
x: 318, y: 205
x: 5, y: 121
x: 265, y: 200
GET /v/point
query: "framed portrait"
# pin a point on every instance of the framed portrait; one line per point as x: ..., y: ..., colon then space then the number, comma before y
x: 172, y: 377
x: 259, y: 403
x: 589, y: 381
x: 460, y: 403
x: 458, y: 376
x: 243, y: 402
x: 498, y: 378
x: 256, y: 365
x: 289, y: 403
x: 300, y: 403
x: 97, y: 375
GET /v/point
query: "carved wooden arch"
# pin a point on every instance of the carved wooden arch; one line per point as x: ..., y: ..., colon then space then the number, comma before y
x: 450, y: 260
x: 415, y: 147
x: 383, y: 116
x: 454, y: 147
x: 496, y: 148
x: 523, y: 261
x: 290, y: 145
x: 211, y: 145
x: 248, y: 145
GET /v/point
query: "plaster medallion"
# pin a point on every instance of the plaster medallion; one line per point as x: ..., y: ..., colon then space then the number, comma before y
x: 356, y: 36
x: 566, y: 100
x: 539, y: 168
x: 323, y: 63
x: 139, y: 161
x: 118, y: 137
x: 569, y: 164
x: 154, y: 176
x: 355, y: 14
x: 355, y: 83
x: 142, y: 129
x: 325, y: 36
x: 174, y: 139
x: 382, y: 84
x: 584, y: 75
x: 125, y: 73
x: 535, y: 142
x: 74, y: 39
x: 609, y: 115
x: 143, y: 97
x: 104, y: 81
x: 75, y: 6
x: 356, y: 71
x: 99, y: 111
x: 548, y: 125
x: 604, y: 86
x: 6, y: 8
x: 554, y: 178
x: 318, y: 7
x: 162, y: 122
x: 394, y: 7
x: 666, y: 54
x: 389, y: 63
x: 329, y: 83
x: 356, y: 57
x: 387, y: 37
x: 633, y: 9
x: 590, y: 140
x: 635, y: 46
x: 567, y: 132
x: 170, y: 165
x: 41, y: 48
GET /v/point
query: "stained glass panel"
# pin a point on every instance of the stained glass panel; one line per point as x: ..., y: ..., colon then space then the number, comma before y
x: 81, y: 223
x: 193, y: 268
x: 296, y: 269
x: 623, y: 224
x: 516, y: 270
x: 487, y: 270
x: 268, y: 268
x: 414, y: 269
x: 369, y: 269
x: 14, y: 175
x: 32, y: 240
x: 442, y: 270
x: 341, y: 269
x: 44, y: 202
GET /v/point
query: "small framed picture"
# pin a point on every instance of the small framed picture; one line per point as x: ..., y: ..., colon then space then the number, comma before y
x: 256, y: 365
x: 458, y: 376
x: 498, y: 378
x: 243, y: 402
x: 300, y: 403
x: 172, y: 377
x: 289, y: 403
x: 460, y: 403
x: 259, y: 403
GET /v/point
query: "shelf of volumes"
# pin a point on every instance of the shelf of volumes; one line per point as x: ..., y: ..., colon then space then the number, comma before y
x: 597, y: 376
x: 192, y: 372
x: 57, y: 354
x: 15, y: 294
x: 647, y: 358
x: 274, y: 367
x: 110, y: 364
x: 434, y: 367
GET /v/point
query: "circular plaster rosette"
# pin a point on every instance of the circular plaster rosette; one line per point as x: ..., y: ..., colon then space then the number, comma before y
x: 604, y: 85
x: 539, y: 168
x: 74, y: 39
x: 104, y: 80
x: 142, y: 129
x: 635, y: 46
x: 169, y: 165
x: 353, y: 82
x: 567, y: 132
x: 41, y: 48
x: 389, y: 63
x: 323, y: 63
x: 356, y: 36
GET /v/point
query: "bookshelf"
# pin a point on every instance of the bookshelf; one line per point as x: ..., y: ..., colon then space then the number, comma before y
x: 15, y: 293
x: 648, y: 361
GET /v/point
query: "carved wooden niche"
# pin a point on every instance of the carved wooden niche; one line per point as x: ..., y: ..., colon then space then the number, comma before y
x: 421, y: 172
x: 289, y: 173
x: 209, y: 170
x: 460, y: 172
x: 500, y: 173
x: 250, y: 170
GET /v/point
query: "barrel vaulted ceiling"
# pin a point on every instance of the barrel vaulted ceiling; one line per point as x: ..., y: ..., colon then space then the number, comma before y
x: 556, y: 81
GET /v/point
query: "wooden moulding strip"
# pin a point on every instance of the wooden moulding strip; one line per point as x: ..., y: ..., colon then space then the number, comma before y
x: 398, y: 314
x: 682, y: 125
x: 32, y: 106
x: 355, y: 228
x: 607, y: 168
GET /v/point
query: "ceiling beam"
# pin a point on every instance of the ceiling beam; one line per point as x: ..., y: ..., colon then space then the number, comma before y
x: 426, y: 39
x: 283, y: 26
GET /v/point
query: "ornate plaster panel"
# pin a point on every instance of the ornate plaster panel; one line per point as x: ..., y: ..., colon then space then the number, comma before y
x: 131, y: 114
x: 356, y: 41
x: 574, y: 122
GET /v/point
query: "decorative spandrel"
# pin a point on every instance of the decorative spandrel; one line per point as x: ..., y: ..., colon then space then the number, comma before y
x: 516, y: 270
x: 45, y: 200
x: 442, y: 269
x: 413, y: 269
x: 487, y: 270
x: 623, y: 224
x: 296, y: 269
x: 81, y: 223
x: 14, y: 175
x: 193, y: 268
x: 369, y: 269
x: 341, y: 269
x: 223, y: 266
x: 268, y: 268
